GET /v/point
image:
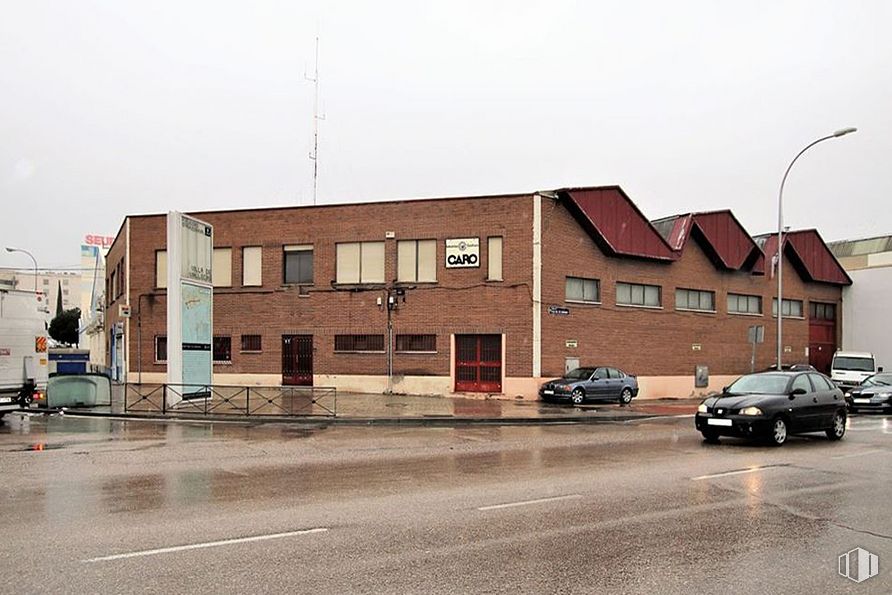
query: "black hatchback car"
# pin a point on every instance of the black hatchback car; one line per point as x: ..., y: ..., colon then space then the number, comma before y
x: 772, y: 405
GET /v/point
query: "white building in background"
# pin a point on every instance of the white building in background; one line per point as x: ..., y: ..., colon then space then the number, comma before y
x: 867, y: 321
x: 51, y: 284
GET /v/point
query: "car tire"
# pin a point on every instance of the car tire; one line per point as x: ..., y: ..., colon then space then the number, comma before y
x: 625, y: 397
x: 710, y: 437
x: 779, y: 432
x: 577, y: 396
x: 838, y: 430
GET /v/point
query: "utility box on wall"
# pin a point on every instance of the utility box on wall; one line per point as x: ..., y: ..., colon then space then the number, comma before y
x: 701, y: 376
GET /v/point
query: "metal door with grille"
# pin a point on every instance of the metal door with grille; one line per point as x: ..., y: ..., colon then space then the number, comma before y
x: 478, y: 363
x: 297, y: 360
x: 821, y: 335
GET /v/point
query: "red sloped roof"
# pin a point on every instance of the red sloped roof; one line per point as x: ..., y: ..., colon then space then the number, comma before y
x: 810, y: 256
x: 615, y: 223
x: 720, y: 234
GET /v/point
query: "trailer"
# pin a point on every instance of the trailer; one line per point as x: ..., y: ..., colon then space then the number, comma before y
x: 23, y: 349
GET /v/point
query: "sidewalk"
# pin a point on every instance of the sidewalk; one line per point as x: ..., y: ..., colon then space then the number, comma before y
x: 360, y: 408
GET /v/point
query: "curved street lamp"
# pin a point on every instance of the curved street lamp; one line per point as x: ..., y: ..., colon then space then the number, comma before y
x: 9, y: 249
x: 780, y: 237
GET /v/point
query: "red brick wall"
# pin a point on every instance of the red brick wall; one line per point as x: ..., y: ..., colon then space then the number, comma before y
x: 659, y: 342
x: 461, y: 300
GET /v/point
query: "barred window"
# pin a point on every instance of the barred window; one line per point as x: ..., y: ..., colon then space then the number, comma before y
x: 251, y: 343
x: 744, y: 304
x: 416, y: 343
x: 578, y: 289
x: 160, y: 348
x: 352, y: 343
x: 222, y: 349
x: 695, y: 299
x: 634, y: 294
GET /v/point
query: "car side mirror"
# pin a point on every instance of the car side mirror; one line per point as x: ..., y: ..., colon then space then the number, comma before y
x: 724, y: 390
x: 796, y: 392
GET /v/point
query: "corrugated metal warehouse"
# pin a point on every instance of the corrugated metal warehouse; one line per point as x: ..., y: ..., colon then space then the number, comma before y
x: 488, y: 294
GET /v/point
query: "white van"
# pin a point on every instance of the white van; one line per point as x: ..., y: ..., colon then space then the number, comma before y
x: 850, y: 368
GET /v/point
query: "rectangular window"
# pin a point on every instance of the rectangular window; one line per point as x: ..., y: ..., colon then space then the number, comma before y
x: 160, y: 349
x: 583, y: 290
x: 298, y: 264
x: 791, y: 308
x: 416, y: 343
x: 113, y: 295
x: 222, y: 350
x: 695, y: 299
x: 744, y: 304
x: 353, y: 343
x: 360, y: 262
x: 494, y: 258
x: 222, y: 267
x: 160, y: 269
x: 252, y: 343
x: 252, y: 266
x: 819, y: 311
x: 416, y: 261
x: 633, y: 294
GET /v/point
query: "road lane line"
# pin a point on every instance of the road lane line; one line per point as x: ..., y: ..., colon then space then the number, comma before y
x: 737, y: 472
x: 857, y: 454
x: 196, y: 546
x: 529, y: 502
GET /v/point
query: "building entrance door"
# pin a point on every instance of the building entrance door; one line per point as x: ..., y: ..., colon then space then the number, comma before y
x: 821, y: 336
x: 297, y: 360
x: 478, y: 363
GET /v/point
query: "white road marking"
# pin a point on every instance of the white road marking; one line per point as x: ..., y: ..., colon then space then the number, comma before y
x: 529, y: 502
x: 196, y: 546
x: 737, y: 472
x: 857, y: 454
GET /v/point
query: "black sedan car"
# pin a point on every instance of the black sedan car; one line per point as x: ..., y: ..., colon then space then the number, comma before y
x: 874, y: 394
x: 772, y: 405
x: 595, y: 383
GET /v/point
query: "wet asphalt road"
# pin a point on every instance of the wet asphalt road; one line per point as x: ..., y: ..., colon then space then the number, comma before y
x: 98, y: 505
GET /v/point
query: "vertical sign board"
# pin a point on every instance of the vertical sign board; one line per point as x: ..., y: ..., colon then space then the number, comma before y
x: 190, y: 296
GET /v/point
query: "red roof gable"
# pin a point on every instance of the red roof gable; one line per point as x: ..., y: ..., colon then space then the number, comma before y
x: 615, y: 223
x: 720, y: 234
x: 810, y: 256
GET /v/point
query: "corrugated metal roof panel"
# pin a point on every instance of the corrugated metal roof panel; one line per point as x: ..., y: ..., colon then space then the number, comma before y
x: 810, y: 254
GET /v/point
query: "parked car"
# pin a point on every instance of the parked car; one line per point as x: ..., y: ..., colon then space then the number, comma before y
x: 591, y: 383
x: 772, y: 406
x: 792, y: 368
x: 874, y: 394
x: 850, y: 368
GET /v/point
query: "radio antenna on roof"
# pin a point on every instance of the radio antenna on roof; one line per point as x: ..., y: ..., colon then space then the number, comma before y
x: 314, y: 155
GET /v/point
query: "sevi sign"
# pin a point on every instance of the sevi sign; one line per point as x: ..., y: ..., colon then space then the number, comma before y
x: 462, y: 253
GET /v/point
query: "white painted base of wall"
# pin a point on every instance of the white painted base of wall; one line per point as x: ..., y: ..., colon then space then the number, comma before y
x: 651, y: 387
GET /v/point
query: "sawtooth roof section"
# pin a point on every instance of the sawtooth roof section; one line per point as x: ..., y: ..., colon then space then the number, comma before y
x: 615, y: 223
x: 809, y: 254
x: 720, y: 234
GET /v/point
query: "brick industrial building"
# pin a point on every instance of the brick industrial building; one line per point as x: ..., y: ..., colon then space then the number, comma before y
x: 489, y: 294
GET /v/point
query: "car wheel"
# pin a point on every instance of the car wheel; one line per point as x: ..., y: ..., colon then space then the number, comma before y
x: 577, y: 396
x: 710, y: 437
x: 625, y: 397
x: 839, y: 426
x: 778, y: 435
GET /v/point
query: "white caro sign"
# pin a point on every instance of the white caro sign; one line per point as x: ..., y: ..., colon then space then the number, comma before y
x: 463, y: 253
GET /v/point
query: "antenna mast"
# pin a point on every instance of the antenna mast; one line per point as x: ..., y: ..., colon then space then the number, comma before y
x: 316, y: 117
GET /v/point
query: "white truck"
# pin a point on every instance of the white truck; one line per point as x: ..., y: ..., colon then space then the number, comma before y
x: 850, y: 368
x: 23, y: 349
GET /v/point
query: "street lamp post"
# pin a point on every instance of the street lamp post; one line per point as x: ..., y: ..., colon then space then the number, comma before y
x: 10, y: 249
x: 780, y: 238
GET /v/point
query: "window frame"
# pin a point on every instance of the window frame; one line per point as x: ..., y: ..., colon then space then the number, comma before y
x: 790, y: 301
x: 569, y: 300
x: 158, y: 279
x: 362, y: 245
x: 748, y: 296
x: 490, y: 241
x: 405, y: 336
x: 248, y: 350
x: 214, y: 359
x: 299, y: 249
x: 416, y: 244
x: 155, y: 344
x: 643, y: 287
x: 353, y: 348
x: 221, y: 250
x: 700, y: 293
x: 260, y: 266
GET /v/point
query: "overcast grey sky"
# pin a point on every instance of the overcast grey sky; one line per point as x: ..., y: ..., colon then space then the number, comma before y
x: 116, y: 107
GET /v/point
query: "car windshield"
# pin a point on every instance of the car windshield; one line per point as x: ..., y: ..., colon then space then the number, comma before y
x: 579, y: 374
x: 853, y: 364
x: 878, y: 380
x: 766, y: 384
